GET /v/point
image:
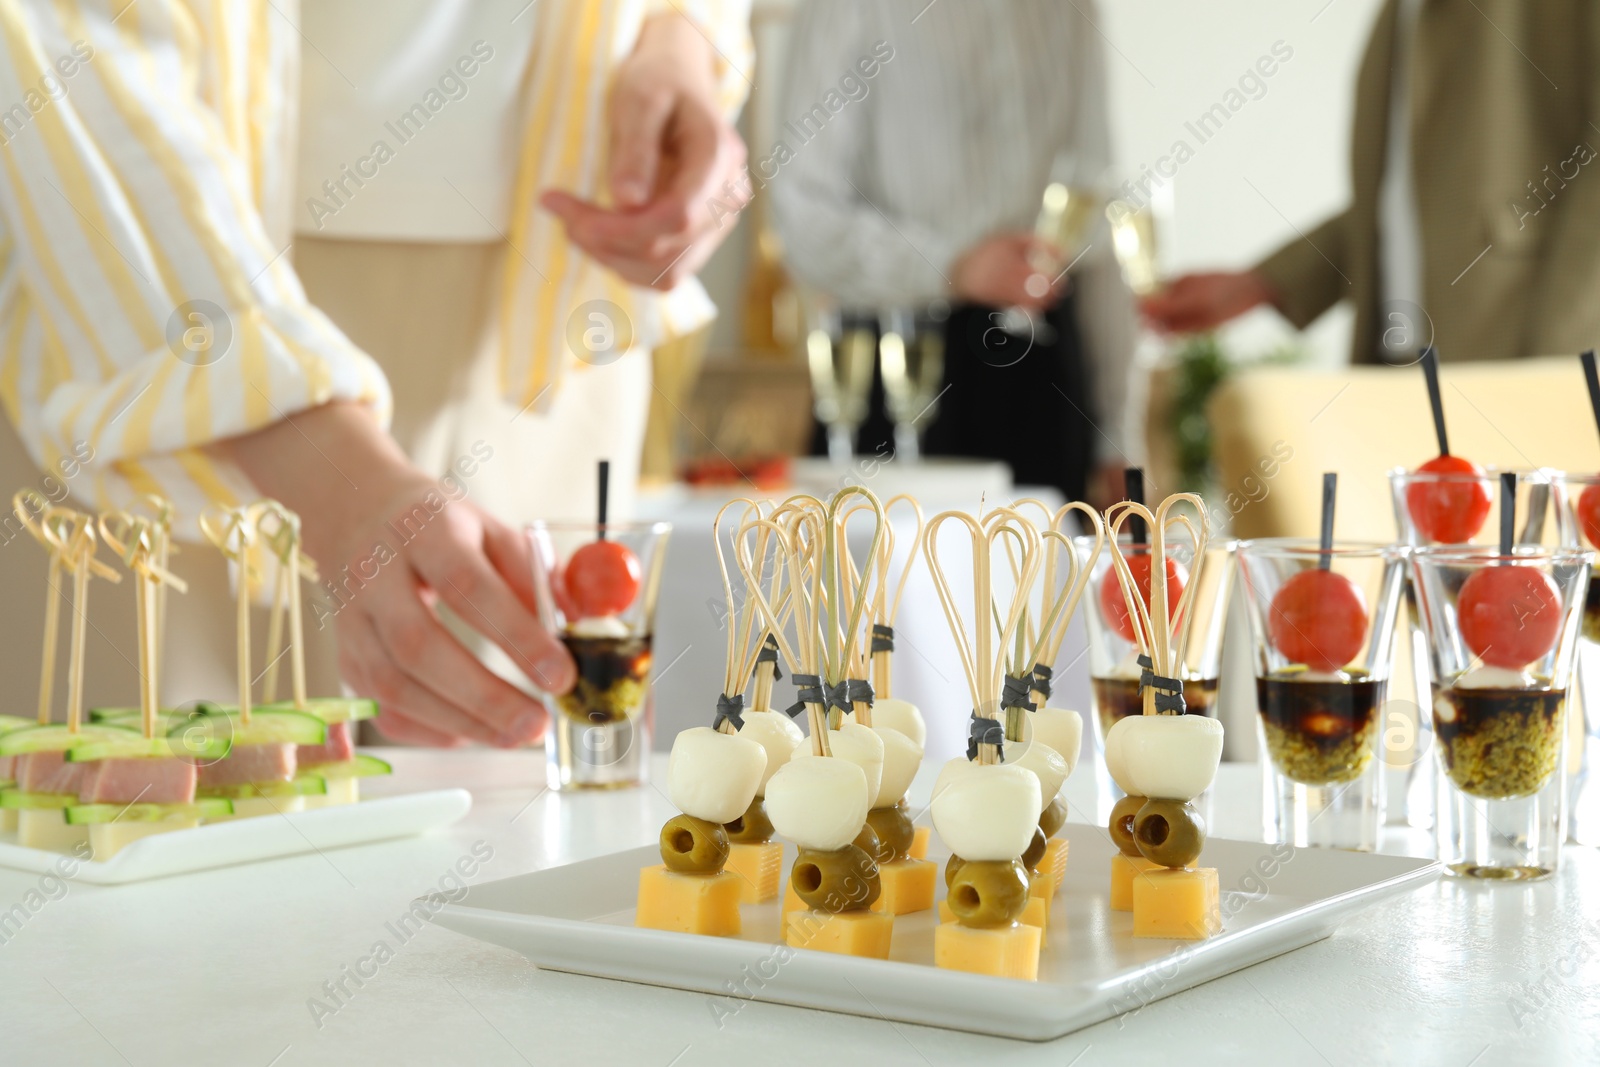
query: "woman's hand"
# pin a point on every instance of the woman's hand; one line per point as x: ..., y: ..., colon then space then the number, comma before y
x: 676, y: 163
x: 1000, y: 271
x: 1199, y: 302
x: 394, y: 544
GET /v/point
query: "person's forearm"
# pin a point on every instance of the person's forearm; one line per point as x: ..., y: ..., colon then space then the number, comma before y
x: 671, y: 36
x: 331, y: 465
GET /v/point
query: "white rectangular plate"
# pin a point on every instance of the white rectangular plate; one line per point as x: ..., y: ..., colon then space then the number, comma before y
x: 579, y: 918
x: 263, y: 837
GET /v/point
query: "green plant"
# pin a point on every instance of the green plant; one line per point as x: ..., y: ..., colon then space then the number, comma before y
x: 1200, y: 365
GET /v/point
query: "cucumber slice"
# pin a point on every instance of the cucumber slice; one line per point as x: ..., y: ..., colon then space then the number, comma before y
x: 113, y: 714
x: 17, y: 800
x: 57, y: 738
x: 202, y: 808
x: 359, y: 767
x: 268, y: 726
x: 333, y: 709
x: 15, y: 722
x: 300, y: 786
x: 137, y: 746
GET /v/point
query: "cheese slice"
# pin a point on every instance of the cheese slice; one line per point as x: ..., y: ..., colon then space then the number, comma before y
x: 250, y: 807
x: 759, y: 868
x: 8, y: 821
x: 340, y: 791
x: 1008, y: 952
x: 106, y: 839
x: 47, y: 828
x: 688, y: 903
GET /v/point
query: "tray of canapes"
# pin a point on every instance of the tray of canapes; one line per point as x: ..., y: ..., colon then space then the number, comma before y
x: 142, y: 791
x: 1013, y: 938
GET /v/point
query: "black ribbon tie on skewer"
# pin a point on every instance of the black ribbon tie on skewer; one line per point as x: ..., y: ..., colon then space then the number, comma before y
x: 1041, y: 679
x: 984, y: 731
x: 838, y: 696
x: 769, y: 654
x: 882, y: 638
x: 859, y: 689
x: 808, y: 690
x: 730, y: 709
x: 1169, y: 691
x: 1015, y: 693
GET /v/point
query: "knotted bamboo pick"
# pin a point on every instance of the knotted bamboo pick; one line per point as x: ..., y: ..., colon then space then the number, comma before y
x: 741, y: 655
x: 32, y: 510
x: 232, y: 532
x: 1160, y: 646
x: 136, y: 539
x: 1023, y: 550
x: 1059, y: 543
x: 278, y: 529
x: 980, y: 663
x: 765, y: 670
x: 802, y: 654
x: 845, y: 593
x: 886, y: 610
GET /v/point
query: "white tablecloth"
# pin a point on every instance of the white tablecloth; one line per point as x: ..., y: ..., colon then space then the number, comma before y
x: 224, y: 967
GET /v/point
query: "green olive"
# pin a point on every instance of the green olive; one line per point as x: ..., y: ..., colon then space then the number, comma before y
x: 895, y: 833
x: 693, y: 846
x: 1122, y: 824
x: 989, y: 893
x: 1054, y: 817
x: 1169, y: 833
x: 843, y: 880
x: 952, y: 868
x: 1035, y: 853
x: 753, y: 827
x: 867, y: 841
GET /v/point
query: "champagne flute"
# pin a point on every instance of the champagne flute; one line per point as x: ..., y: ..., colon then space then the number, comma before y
x: 840, y: 356
x: 1135, y: 229
x: 1067, y: 212
x: 911, y: 357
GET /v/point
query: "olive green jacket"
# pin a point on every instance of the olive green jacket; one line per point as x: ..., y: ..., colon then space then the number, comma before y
x: 1505, y: 143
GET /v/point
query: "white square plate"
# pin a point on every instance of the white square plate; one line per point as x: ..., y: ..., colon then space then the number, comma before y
x: 263, y: 837
x: 579, y: 918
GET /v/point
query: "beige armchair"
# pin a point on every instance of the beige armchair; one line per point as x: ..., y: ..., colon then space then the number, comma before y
x: 1362, y: 421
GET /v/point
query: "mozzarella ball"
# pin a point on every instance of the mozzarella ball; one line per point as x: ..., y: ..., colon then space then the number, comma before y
x: 818, y: 802
x: 986, y: 812
x: 1045, y: 764
x: 777, y: 734
x: 860, y: 745
x: 901, y: 715
x: 901, y: 758
x: 1165, y: 757
x: 1062, y: 730
x: 714, y: 776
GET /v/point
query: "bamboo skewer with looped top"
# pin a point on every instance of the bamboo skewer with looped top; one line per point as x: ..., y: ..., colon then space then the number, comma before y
x: 803, y: 653
x: 845, y: 599
x: 980, y: 663
x: 1161, y: 654
x: 1049, y: 638
x: 292, y: 565
x: 741, y: 653
x: 69, y: 537
x: 884, y: 608
x: 137, y: 540
x: 232, y: 533
x: 765, y: 671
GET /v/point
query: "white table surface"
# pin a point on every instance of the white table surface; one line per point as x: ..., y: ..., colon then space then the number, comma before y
x: 219, y: 967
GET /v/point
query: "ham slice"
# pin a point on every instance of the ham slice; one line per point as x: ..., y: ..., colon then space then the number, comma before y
x: 338, y: 748
x: 138, y: 781
x: 48, y: 772
x: 7, y: 765
x: 248, y: 764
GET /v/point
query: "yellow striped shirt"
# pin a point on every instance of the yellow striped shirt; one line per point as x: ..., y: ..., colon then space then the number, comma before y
x: 147, y: 303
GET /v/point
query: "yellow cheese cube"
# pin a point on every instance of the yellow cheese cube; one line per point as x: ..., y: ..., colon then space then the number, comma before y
x: 919, y: 843
x: 340, y: 791
x: 1184, y: 904
x: 906, y: 886
x: 791, y: 902
x: 1055, y: 862
x: 1009, y: 952
x: 8, y: 820
x: 850, y: 933
x: 48, y: 828
x: 1041, y: 883
x: 688, y: 903
x: 1123, y: 868
x: 1037, y: 913
x: 759, y: 868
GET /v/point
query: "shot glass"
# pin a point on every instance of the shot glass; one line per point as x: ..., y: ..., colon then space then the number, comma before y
x: 599, y: 736
x: 1433, y: 509
x: 1502, y: 633
x: 1322, y: 628
x: 1577, y: 503
x: 1113, y: 668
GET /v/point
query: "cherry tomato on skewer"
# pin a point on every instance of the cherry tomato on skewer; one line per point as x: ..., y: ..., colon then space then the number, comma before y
x: 1589, y: 514
x: 602, y: 578
x: 1114, y: 606
x: 1510, y: 616
x: 1318, y: 618
x: 1449, y: 511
